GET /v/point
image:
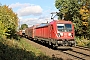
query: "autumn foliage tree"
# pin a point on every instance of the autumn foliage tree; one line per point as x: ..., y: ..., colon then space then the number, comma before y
x: 72, y: 10
x: 8, y: 21
x: 24, y: 26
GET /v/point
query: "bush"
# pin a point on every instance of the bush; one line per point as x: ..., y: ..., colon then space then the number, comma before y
x: 88, y: 44
x: 83, y: 42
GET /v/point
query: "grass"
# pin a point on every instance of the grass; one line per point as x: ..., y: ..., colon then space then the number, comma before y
x: 11, y: 49
x: 28, y: 47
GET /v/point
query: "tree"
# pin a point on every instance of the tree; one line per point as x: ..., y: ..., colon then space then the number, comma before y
x: 8, y: 19
x: 1, y: 29
x: 70, y: 10
x: 24, y: 26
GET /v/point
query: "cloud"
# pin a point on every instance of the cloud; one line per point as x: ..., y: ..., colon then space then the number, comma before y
x: 30, y: 10
x: 34, y: 21
x: 27, y: 9
x: 30, y: 14
x: 19, y: 5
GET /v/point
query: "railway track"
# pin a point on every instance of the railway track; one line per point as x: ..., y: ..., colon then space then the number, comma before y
x: 84, y: 48
x: 75, y: 53
x: 78, y: 53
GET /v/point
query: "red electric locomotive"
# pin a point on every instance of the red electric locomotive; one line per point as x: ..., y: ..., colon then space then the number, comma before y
x: 56, y: 33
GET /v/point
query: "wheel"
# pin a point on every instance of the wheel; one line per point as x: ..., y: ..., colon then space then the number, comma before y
x: 50, y: 43
x: 75, y: 44
x: 55, y: 46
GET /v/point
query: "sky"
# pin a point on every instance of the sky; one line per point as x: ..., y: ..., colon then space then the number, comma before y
x: 31, y: 12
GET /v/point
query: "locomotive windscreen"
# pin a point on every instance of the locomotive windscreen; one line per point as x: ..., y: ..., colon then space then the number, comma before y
x: 64, y: 27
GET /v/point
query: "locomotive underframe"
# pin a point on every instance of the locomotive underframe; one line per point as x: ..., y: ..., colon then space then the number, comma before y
x: 65, y: 42
x: 57, y: 42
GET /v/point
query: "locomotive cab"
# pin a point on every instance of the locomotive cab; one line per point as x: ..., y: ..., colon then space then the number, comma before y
x: 63, y: 29
x: 65, y: 34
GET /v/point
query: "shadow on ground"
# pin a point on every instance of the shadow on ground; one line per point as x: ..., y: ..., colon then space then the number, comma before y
x: 10, y: 53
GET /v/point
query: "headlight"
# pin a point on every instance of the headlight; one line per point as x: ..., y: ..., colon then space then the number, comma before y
x: 61, y: 34
x: 69, y: 34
